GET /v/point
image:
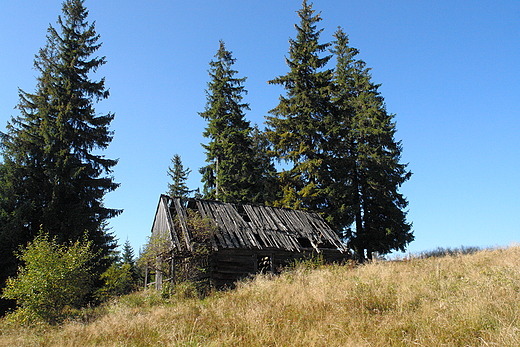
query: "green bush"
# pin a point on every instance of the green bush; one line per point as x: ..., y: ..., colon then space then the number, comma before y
x: 118, y: 280
x: 53, y: 280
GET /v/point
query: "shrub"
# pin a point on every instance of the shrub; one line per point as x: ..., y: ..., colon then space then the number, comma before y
x: 53, y: 280
x: 118, y: 280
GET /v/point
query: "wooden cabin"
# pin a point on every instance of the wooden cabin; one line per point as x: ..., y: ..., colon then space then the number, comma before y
x: 235, y: 241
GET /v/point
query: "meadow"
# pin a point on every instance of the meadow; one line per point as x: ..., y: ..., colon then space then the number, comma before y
x: 452, y: 300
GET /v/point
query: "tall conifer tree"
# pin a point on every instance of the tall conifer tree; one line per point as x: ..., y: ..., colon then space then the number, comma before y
x: 232, y: 174
x: 370, y: 157
x: 52, y: 179
x: 298, y: 125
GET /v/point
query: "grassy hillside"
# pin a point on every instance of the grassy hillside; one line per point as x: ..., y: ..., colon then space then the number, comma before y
x: 465, y: 300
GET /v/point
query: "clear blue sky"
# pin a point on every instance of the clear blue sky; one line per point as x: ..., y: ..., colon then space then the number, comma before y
x: 450, y: 71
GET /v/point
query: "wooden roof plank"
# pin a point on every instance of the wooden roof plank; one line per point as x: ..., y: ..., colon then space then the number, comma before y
x: 181, y: 214
x: 238, y: 224
x: 232, y: 226
x: 204, y: 214
x: 256, y: 225
x: 268, y: 222
x: 225, y: 240
x: 173, y: 232
x: 261, y: 227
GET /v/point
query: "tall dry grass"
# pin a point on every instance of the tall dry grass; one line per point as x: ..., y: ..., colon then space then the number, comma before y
x: 466, y: 300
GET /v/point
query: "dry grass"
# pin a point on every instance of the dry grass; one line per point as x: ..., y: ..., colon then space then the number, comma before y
x: 466, y: 300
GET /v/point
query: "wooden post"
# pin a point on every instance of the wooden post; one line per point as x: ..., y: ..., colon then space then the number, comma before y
x: 172, y: 271
x: 158, y: 273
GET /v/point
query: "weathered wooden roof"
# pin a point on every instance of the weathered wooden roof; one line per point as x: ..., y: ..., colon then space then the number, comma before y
x: 246, y: 226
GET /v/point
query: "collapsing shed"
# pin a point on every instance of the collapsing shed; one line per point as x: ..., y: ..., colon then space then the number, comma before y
x: 221, y: 242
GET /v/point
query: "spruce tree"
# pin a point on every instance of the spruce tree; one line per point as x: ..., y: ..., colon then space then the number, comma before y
x: 179, y: 175
x: 232, y: 174
x: 52, y: 175
x: 299, y: 124
x: 370, y: 156
x: 128, y: 258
